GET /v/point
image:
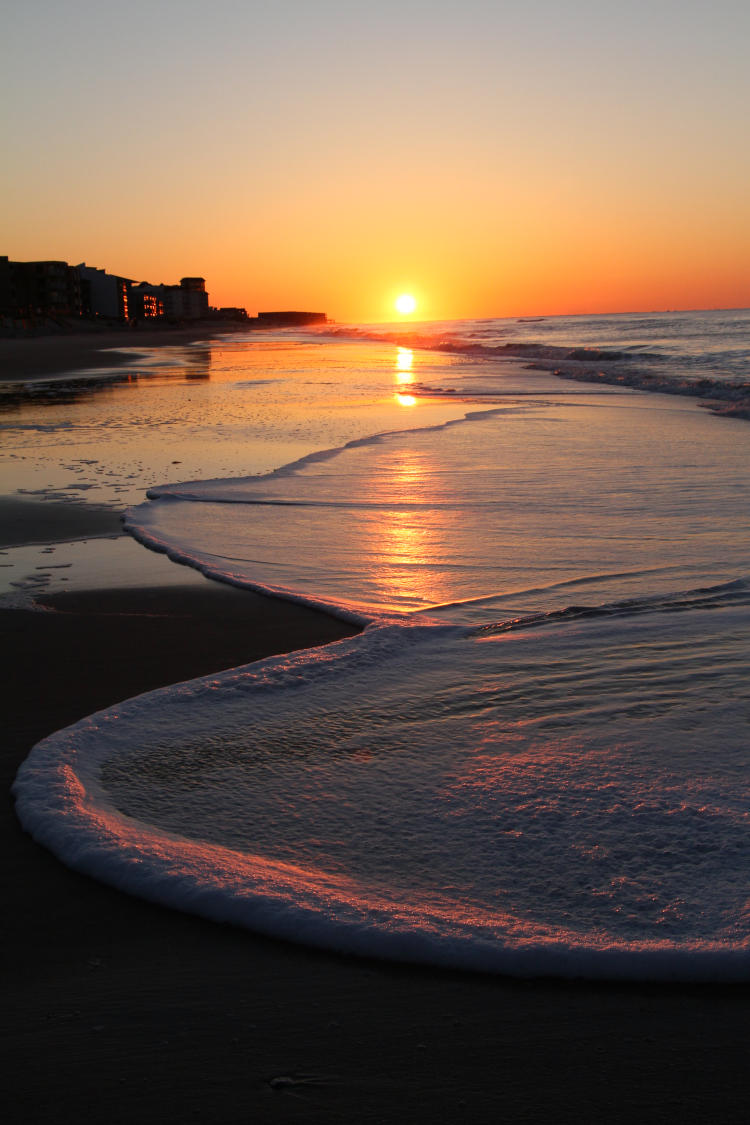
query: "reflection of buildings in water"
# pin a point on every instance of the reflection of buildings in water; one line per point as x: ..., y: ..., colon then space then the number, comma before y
x: 198, y: 364
x: 15, y: 396
x: 195, y: 365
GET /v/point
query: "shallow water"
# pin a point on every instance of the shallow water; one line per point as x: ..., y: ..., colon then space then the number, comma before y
x: 535, y: 758
x: 530, y: 505
x: 237, y: 406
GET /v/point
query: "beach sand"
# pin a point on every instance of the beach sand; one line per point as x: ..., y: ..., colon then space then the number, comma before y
x: 142, y: 1014
x: 25, y: 521
x: 26, y: 357
x: 119, y: 1011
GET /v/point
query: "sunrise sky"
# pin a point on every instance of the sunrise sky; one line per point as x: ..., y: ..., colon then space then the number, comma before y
x: 491, y: 158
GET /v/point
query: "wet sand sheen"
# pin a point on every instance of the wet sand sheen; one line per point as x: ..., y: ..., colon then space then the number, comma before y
x: 33, y: 521
x: 40, y: 356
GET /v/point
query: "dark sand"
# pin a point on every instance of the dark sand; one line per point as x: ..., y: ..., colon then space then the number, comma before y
x: 119, y: 1011
x: 38, y: 356
x: 20, y: 521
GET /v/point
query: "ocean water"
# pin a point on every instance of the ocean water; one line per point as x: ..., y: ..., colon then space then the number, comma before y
x: 702, y: 352
x: 535, y: 758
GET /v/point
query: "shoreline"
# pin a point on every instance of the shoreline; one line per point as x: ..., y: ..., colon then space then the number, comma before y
x: 25, y: 523
x: 37, y: 357
x: 144, y: 1013
x: 162, y: 1016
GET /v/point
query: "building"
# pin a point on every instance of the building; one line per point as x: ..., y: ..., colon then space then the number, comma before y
x: 146, y: 302
x: 186, y: 301
x: 6, y: 287
x: 31, y: 289
x: 173, y: 303
x: 52, y: 288
x: 194, y: 298
x: 104, y: 294
x: 228, y: 312
x: 290, y: 319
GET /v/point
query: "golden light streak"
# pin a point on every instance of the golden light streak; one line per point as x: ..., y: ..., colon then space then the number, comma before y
x: 404, y: 359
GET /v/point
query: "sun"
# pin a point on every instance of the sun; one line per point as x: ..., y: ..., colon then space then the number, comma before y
x: 405, y: 304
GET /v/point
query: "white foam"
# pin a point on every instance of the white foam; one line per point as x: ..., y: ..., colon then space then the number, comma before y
x: 432, y: 794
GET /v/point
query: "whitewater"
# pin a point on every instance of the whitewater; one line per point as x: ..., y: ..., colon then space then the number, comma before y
x: 534, y: 758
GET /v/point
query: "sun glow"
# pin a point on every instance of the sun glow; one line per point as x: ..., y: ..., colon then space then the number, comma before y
x: 405, y: 304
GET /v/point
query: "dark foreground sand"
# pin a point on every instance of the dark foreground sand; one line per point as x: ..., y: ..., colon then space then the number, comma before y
x: 118, y: 1011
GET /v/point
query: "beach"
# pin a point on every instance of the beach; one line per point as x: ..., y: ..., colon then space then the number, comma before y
x: 34, y: 357
x: 143, y: 1013
x: 123, y: 1010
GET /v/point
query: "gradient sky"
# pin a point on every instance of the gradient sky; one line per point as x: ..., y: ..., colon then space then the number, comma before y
x: 492, y: 158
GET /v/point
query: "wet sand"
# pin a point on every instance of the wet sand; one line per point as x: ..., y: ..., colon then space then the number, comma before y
x: 121, y: 1011
x: 34, y: 521
x: 39, y: 356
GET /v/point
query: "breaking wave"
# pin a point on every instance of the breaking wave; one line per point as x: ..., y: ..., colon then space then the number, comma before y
x: 719, y: 378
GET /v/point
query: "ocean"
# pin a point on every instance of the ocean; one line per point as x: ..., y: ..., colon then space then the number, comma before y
x: 534, y: 759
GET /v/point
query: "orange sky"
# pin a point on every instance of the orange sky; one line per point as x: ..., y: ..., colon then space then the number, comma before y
x: 493, y: 161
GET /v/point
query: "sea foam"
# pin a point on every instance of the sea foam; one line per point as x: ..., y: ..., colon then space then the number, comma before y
x: 569, y: 798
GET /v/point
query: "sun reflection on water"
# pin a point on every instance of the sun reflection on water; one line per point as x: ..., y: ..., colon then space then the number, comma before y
x: 404, y: 360
x: 404, y: 534
x: 404, y: 364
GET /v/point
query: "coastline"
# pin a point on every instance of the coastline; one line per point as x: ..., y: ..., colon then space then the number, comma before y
x: 154, y: 1015
x: 142, y: 1013
x: 24, y: 522
x: 148, y: 1014
x: 37, y: 357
